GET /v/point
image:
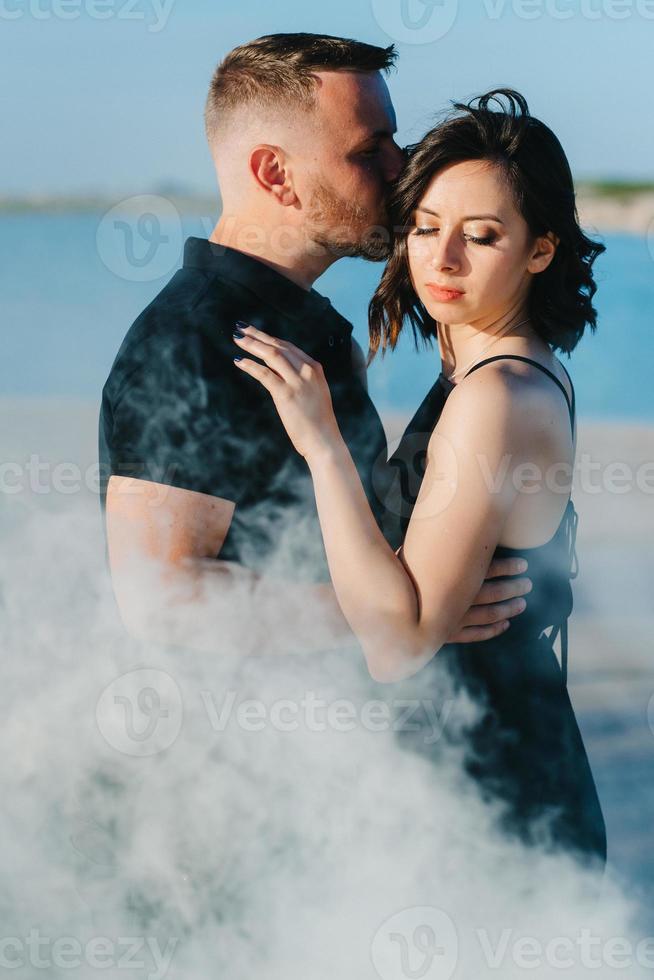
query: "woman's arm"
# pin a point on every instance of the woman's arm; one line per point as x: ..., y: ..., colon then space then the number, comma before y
x: 402, y: 608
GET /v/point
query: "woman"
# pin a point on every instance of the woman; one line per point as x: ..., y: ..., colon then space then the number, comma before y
x: 488, y: 256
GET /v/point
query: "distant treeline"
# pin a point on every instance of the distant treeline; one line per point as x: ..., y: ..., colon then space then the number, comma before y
x: 619, y: 189
x: 189, y: 202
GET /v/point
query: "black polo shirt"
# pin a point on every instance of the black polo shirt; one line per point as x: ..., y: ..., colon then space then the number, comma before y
x: 177, y: 411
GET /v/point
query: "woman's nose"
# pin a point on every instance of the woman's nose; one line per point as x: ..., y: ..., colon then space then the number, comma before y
x: 444, y: 252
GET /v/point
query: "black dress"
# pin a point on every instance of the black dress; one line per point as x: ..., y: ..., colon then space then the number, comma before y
x: 526, y: 750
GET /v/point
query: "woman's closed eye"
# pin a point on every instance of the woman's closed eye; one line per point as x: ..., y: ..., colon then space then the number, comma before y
x: 477, y: 240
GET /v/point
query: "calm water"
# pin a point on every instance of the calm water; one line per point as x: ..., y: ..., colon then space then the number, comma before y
x: 73, y: 283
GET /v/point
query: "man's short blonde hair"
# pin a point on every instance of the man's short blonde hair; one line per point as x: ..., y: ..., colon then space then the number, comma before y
x: 278, y: 69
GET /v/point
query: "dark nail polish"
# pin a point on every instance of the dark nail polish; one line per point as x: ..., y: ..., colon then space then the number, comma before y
x: 238, y: 334
x: 238, y: 358
x: 241, y: 323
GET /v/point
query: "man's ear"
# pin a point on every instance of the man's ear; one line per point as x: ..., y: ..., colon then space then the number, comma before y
x: 543, y: 252
x: 269, y: 169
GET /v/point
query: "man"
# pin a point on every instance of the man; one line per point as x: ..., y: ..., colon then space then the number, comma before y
x: 206, y: 495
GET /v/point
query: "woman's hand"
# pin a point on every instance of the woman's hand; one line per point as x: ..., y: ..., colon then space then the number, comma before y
x: 298, y: 388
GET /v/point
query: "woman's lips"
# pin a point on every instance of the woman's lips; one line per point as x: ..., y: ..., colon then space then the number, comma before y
x: 442, y: 294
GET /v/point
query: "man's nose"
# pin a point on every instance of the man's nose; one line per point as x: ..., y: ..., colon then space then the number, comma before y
x: 395, y: 164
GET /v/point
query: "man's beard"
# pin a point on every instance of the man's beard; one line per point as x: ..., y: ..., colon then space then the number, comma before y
x: 345, y: 229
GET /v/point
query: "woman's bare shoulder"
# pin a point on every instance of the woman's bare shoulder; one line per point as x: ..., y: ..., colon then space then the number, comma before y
x: 513, y: 401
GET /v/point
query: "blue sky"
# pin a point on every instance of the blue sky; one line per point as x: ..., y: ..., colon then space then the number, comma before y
x: 107, y: 95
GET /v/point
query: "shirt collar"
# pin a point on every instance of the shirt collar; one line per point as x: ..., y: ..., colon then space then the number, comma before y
x: 272, y: 287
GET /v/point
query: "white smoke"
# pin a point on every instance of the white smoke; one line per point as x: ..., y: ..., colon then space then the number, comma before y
x: 214, y: 816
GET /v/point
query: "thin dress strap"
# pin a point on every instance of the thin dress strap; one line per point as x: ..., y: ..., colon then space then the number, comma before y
x: 572, y: 389
x: 572, y: 516
x: 528, y: 360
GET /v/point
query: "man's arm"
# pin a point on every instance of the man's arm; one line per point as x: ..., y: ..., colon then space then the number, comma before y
x: 170, y: 588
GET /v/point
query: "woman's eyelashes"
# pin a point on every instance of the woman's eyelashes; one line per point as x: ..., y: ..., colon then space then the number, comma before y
x: 486, y: 240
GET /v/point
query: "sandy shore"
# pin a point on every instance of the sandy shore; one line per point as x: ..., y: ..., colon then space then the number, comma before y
x: 633, y: 213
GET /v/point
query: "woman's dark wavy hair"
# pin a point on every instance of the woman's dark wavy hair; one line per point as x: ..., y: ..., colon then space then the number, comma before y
x: 538, y: 173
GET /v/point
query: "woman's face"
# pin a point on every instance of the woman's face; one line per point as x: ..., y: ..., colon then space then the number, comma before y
x: 471, y: 255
